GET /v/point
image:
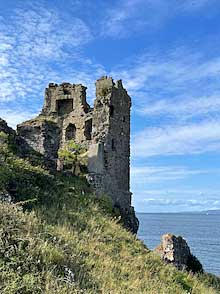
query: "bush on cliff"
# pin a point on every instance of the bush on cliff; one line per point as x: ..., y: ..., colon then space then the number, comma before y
x: 73, y: 155
x: 61, y: 239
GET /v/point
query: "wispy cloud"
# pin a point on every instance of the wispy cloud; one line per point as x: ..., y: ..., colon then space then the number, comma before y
x: 184, y: 108
x: 16, y: 116
x: 178, y: 140
x: 39, y: 45
x: 170, y: 74
x: 179, y: 94
x: 33, y: 39
x: 116, y: 19
x: 184, y: 203
x: 173, y: 200
x: 152, y: 174
x: 135, y: 15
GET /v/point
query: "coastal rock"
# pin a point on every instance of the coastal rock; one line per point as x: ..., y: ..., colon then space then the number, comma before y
x: 175, y: 250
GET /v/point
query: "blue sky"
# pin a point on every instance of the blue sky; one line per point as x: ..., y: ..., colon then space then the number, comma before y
x: 167, y: 54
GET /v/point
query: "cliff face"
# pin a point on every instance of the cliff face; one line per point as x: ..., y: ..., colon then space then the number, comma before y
x: 104, y: 131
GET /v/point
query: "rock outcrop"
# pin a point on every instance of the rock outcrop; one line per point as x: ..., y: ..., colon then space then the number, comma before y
x: 5, y: 128
x: 175, y: 250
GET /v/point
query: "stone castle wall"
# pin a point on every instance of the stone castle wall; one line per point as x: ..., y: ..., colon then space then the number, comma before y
x: 104, y: 130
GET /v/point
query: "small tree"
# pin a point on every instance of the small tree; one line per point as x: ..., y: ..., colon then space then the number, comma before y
x: 3, y: 138
x: 72, y: 155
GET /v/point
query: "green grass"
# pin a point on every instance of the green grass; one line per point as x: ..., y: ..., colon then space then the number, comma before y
x: 59, y: 238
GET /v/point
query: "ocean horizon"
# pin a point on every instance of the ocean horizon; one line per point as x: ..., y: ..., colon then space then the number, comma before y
x: 201, y: 230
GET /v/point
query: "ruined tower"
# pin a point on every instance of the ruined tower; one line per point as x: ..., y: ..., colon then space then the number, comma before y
x: 67, y: 103
x: 111, y: 141
x: 104, y: 131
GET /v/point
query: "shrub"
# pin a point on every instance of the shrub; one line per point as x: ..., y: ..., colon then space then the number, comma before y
x: 73, y: 156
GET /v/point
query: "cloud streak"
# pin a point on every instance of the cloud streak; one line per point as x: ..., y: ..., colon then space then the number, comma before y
x: 186, y: 108
x: 132, y: 16
x: 178, y: 94
x: 29, y: 43
x: 153, y: 174
x: 169, y: 75
x: 173, y: 200
x: 177, y: 140
x: 184, y: 203
x: 16, y: 116
x: 39, y: 45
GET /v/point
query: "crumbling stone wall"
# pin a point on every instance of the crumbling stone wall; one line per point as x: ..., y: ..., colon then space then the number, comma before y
x: 104, y: 131
x: 64, y: 98
x: 42, y: 136
x: 111, y: 128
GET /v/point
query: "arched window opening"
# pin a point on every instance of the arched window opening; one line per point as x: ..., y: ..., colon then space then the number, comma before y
x: 123, y: 119
x: 88, y: 129
x: 70, y: 132
x: 111, y: 110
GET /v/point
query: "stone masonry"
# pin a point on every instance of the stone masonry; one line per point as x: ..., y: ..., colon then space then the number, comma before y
x: 104, y: 130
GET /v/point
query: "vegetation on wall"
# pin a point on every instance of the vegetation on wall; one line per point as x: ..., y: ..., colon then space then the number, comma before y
x: 74, y: 156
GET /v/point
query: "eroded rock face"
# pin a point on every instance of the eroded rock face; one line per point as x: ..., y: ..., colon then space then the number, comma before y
x: 175, y: 250
x: 130, y: 219
x: 103, y: 130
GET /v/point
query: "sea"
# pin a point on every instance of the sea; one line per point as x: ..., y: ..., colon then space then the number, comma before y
x: 200, y: 230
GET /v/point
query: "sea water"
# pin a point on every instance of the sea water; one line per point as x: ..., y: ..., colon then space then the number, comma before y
x: 200, y: 230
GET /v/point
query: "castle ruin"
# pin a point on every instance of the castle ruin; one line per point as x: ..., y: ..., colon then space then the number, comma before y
x: 104, y: 130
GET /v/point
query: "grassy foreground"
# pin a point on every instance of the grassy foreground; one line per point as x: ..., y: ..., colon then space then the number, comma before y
x: 59, y: 238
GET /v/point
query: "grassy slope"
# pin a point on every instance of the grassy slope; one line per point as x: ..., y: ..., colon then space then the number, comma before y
x: 67, y: 241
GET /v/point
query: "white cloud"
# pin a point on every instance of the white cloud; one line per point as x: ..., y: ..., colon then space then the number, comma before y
x: 114, y: 23
x: 185, y: 108
x: 177, y: 193
x: 32, y: 44
x: 152, y: 174
x: 171, y: 73
x: 129, y: 16
x: 177, y: 140
x: 14, y: 117
x: 39, y: 45
x: 183, y: 89
x: 173, y: 200
x: 206, y: 204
